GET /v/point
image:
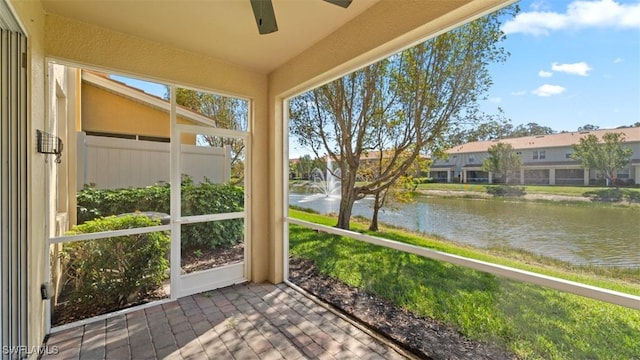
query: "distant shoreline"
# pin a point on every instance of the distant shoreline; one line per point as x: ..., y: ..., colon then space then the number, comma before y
x: 483, y: 194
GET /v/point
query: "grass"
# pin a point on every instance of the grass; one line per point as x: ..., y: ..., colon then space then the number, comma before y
x: 530, y: 189
x: 532, y: 321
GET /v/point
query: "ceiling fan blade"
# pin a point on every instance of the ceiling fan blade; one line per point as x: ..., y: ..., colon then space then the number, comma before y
x: 342, y: 3
x: 265, y: 17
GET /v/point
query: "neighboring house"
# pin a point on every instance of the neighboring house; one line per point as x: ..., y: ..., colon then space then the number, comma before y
x: 124, y: 138
x: 116, y: 136
x: 545, y: 160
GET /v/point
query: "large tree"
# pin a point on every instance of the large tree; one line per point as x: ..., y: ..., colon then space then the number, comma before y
x: 304, y: 167
x: 339, y: 119
x: 502, y: 160
x: 606, y: 156
x: 403, y: 105
x: 487, y: 128
x: 531, y: 129
x: 588, y: 127
x: 225, y: 113
x: 400, y: 191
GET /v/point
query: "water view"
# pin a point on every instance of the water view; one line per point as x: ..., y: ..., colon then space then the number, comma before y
x: 584, y: 235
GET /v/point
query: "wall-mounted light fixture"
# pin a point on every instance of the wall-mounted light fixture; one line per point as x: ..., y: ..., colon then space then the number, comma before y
x: 49, y: 144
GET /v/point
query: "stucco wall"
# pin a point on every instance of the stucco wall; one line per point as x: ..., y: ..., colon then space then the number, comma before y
x: 104, y: 111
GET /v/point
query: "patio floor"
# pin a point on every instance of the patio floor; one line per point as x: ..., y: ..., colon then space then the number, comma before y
x: 246, y: 321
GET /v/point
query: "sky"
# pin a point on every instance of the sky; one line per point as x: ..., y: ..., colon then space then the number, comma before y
x: 572, y: 63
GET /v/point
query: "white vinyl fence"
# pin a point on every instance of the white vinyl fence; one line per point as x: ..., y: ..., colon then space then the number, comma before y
x: 112, y: 163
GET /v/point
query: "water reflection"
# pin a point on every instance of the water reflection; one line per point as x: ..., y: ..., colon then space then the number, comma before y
x: 604, y: 236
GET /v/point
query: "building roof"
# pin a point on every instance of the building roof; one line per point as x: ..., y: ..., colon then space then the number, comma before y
x: 631, y: 134
x: 370, y: 156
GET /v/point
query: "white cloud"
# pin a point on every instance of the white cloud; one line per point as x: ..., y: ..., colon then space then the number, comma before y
x: 519, y: 93
x: 495, y: 100
x: 618, y: 60
x: 539, y: 5
x: 545, y: 74
x: 579, y: 14
x: 549, y: 90
x: 580, y: 68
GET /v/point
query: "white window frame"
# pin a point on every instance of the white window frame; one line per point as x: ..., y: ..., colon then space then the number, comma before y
x: 539, y: 155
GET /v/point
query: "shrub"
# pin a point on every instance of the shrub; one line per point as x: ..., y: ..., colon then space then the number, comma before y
x: 94, y: 203
x: 117, y: 270
x: 607, y: 195
x: 613, y: 195
x: 197, y: 199
x: 633, y: 196
x: 505, y: 190
x: 209, y: 198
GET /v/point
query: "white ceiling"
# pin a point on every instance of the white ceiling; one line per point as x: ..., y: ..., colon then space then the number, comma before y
x: 223, y: 29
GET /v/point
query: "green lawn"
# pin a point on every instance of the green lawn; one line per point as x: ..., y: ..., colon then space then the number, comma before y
x: 532, y: 321
x: 532, y: 189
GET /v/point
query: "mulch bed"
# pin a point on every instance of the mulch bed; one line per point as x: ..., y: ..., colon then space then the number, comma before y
x: 426, y: 338
x: 67, y: 311
x: 193, y: 261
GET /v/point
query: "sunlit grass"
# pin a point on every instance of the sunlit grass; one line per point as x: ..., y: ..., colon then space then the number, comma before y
x: 530, y: 189
x: 614, y: 278
x: 532, y: 321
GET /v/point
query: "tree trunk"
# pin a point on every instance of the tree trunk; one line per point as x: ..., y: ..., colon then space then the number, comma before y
x: 374, y: 218
x: 346, y: 206
x: 348, y: 197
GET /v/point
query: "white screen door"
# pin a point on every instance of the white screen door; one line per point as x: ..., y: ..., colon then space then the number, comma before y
x: 210, y: 169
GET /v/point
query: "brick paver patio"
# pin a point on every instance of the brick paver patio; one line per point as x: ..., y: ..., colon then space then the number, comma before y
x: 247, y: 321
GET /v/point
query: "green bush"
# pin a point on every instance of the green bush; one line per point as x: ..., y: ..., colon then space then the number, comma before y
x: 614, y: 195
x: 118, y: 270
x: 95, y: 203
x: 210, y: 198
x: 633, y: 196
x: 197, y: 199
x: 506, y: 190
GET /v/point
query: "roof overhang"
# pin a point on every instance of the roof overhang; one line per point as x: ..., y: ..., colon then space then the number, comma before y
x: 225, y: 30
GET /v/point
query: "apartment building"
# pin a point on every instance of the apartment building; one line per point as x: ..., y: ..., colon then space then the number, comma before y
x: 545, y: 159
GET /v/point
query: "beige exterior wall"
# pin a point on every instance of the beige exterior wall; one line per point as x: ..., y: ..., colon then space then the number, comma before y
x: 554, y: 159
x: 551, y: 154
x: 104, y: 111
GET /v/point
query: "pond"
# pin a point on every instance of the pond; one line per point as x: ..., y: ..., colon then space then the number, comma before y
x: 579, y: 234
